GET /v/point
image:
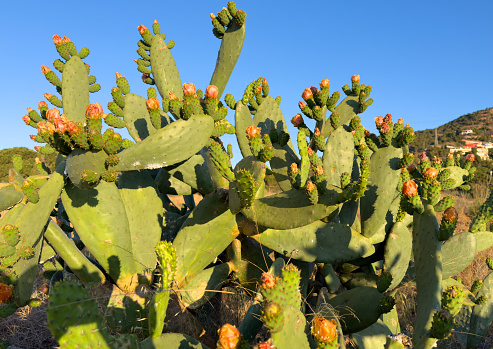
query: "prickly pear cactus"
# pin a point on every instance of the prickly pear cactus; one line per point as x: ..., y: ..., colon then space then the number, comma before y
x: 118, y: 203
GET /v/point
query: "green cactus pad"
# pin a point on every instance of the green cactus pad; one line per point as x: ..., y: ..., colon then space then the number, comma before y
x: 243, y: 119
x: 193, y: 173
x: 229, y: 52
x: 384, y: 176
x: 71, y: 255
x: 269, y: 116
x: 106, y: 215
x: 398, y: 249
x: 144, y: 220
x: 458, y: 174
x: 280, y: 162
x: 209, y: 229
x: 164, y: 70
x: 201, y: 288
x: 292, y: 209
x: 484, y: 240
x: 168, y: 184
x: 31, y: 222
x: 172, y: 341
x: 482, y: 315
x: 318, y: 242
x: 338, y: 155
x: 9, y: 198
x: 458, y: 253
x: 357, y: 308
x: 374, y: 336
x: 293, y: 333
x: 169, y: 145
x: 75, y: 90
x: 84, y: 160
x: 354, y: 280
x: 136, y: 117
x: 347, y: 109
x: 428, y: 260
x: 74, y: 319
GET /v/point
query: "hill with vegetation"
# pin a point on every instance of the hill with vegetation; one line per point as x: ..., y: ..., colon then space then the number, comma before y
x: 480, y: 122
x: 449, y: 134
x: 29, y: 161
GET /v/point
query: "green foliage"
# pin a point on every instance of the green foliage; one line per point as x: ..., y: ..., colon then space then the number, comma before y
x: 28, y: 158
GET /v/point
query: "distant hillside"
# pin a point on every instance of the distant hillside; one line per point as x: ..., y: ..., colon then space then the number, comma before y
x: 480, y: 122
x: 28, y: 157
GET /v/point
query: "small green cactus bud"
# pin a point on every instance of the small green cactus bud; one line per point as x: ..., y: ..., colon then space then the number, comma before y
x: 90, y: 177
x: 444, y: 203
x: 25, y: 252
x: 384, y: 282
x: 30, y: 191
x: 166, y: 256
x: 318, y: 139
x: 442, y: 324
x: 448, y: 184
x: 230, y: 101
x: 335, y: 120
x: 34, y: 302
x: 156, y: 28
x: 294, y: 175
x: 118, y: 97
x: 345, y: 180
x: 476, y: 285
x: 51, y: 76
x: 247, y: 187
x: 53, y: 100
x: 229, y: 150
x: 83, y: 53
x: 11, y: 234
x: 386, y: 304
x: 448, y: 224
x: 481, y: 300
x: 146, y: 34
x: 452, y: 299
x: 489, y: 263
x: 122, y: 83
x: 311, y: 192
x: 109, y: 176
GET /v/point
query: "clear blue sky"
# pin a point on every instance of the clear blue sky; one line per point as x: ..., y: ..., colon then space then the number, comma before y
x: 427, y: 61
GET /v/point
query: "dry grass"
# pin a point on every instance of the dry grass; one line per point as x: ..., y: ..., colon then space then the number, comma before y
x: 26, y: 328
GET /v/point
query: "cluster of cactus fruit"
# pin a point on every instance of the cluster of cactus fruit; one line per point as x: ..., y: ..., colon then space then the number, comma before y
x: 353, y: 213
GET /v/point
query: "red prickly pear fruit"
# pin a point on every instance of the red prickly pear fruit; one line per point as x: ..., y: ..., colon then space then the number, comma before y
x: 142, y: 29
x: 325, y: 83
x: 211, y: 91
x: 152, y: 104
x: 355, y: 78
x: 44, y: 69
x: 307, y: 94
x: 45, y: 288
x: 450, y: 215
x: 324, y: 331
x: 409, y: 188
x: 252, y: 131
x: 430, y: 173
x: 189, y: 89
x: 57, y: 40
x: 229, y: 337
x: 297, y: 120
x: 268, y: 281
x: 5, y: 292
